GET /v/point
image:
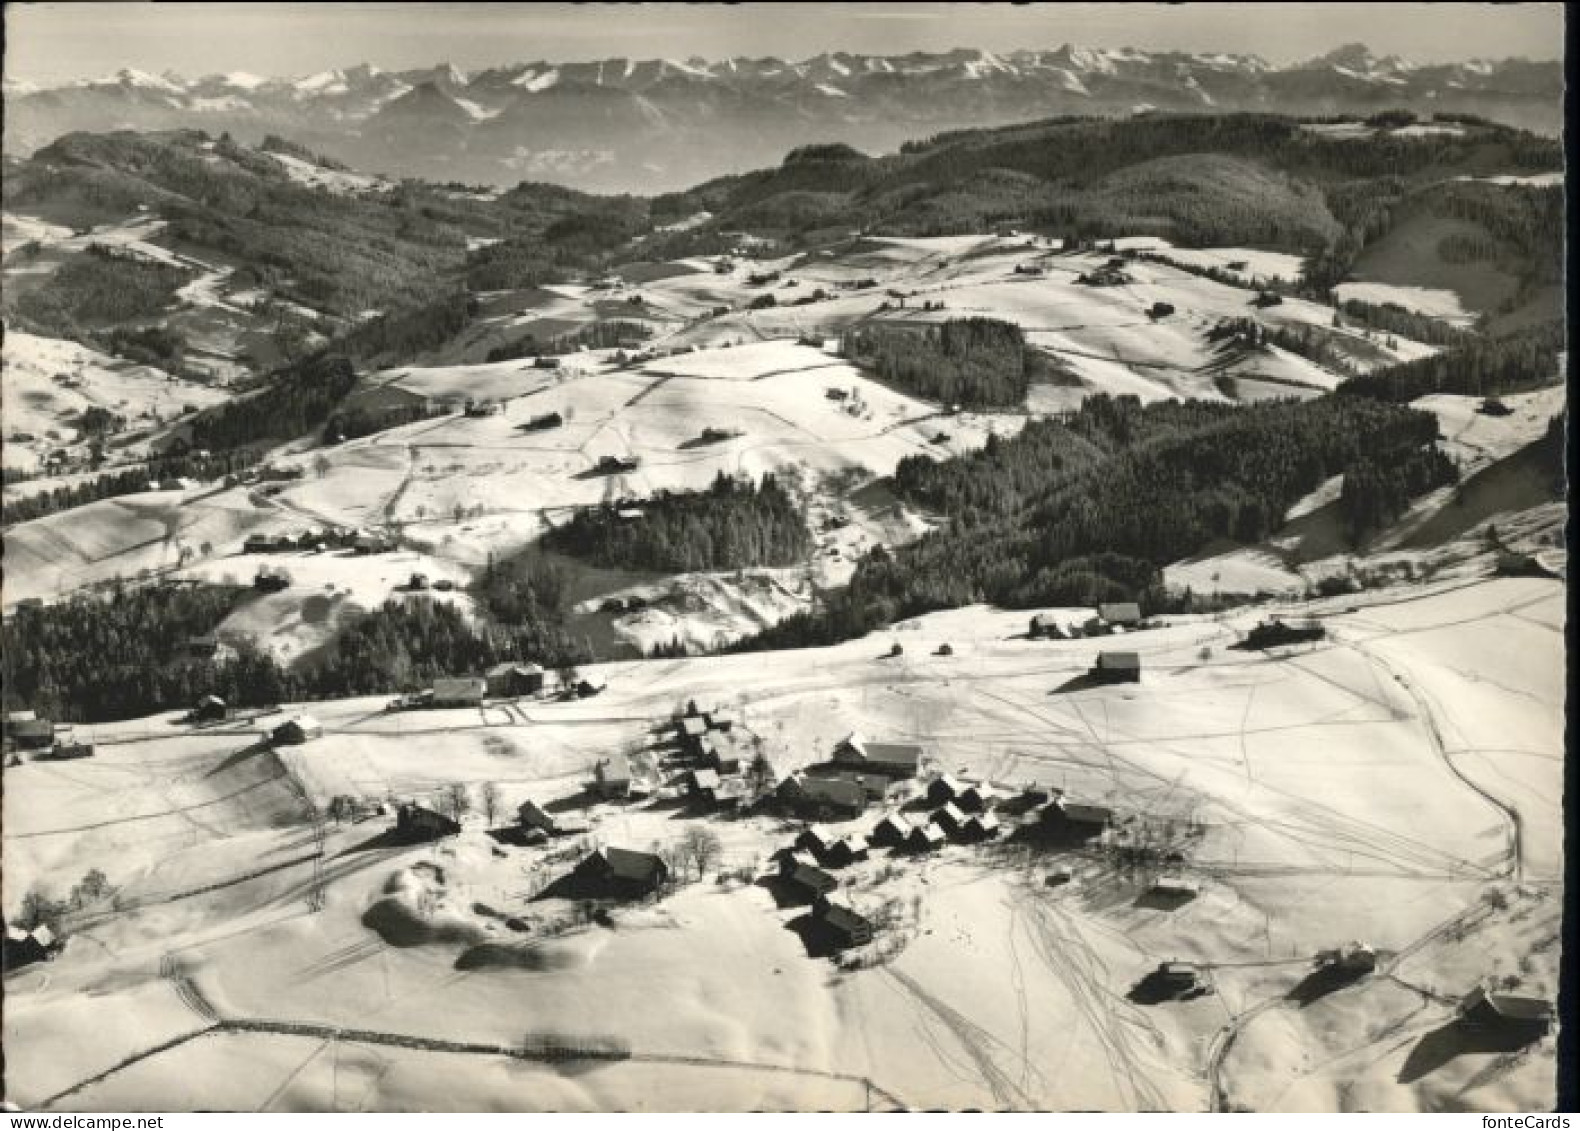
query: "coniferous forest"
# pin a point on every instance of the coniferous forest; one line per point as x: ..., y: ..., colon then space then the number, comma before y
x: 734, y: 524
x: 1092, y: 507
x: 972, y: 362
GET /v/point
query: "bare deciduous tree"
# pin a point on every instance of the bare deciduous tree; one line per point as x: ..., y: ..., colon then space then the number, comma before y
x: 491, y: 801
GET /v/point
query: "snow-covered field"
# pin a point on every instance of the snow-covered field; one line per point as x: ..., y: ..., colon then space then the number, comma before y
x: 1434, y: 301
x: 1396, y: 783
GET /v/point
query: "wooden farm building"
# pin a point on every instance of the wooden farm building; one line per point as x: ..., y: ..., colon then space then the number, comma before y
x: 1076, y: 820
x: 1505, y: 1013
x: 622, y: 873
x: 891, y: 832
x: 508, y: 680
x: 1123, y: 614
x: 943, y: 789
x: 847, y: 926
x: 893, y: 759
x: 414, y: 823
x: 297, y: 730
x: 949, y: 818
x: 26, y: 731
x: 1117, y: 667
x: 530, y: 815
x: 210, y: 708
x: 824, y: 797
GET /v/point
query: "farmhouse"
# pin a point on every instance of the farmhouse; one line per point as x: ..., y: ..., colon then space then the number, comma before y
x: 25, y: 731
x: 1117, y: 667
x: 807, y: 876
x: 510, y: 679
x: 297, y: 730
x: 612, y: 776
x: 973, y: 799
x: 414, y: 823
x: 1513, y: 1015
x: 622, y: 873
x: 725, y: 752
x: 847, y: 927
x: 823, y: 797
x: 467, y: 691
x: 1124, y: 614
x: 1076, y: 820
x: 894, y: 759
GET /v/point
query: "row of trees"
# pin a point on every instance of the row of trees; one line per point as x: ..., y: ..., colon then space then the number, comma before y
x: 734, y: 524
x: 127, y: 482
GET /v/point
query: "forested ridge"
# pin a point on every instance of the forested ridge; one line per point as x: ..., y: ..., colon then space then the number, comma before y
x: 1089, y: 508
x: 1479, y: 366
x: 119, y: 655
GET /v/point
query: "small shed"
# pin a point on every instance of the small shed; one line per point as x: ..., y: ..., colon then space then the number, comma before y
x: 1046, y: 626
x: 1117, y: 667
x: 949, y: 818
x: 982, y: 826
x: 943, y: 789
x: 210, y: 708
x: 297, y: 730
x: 530, y: 815
x: 891, y: 832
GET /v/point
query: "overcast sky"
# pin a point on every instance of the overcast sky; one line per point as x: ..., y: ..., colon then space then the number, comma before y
x: 61, y: 41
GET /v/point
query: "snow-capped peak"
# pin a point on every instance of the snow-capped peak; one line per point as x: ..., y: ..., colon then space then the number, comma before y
x: 128, y: 76
x: 242, y: 80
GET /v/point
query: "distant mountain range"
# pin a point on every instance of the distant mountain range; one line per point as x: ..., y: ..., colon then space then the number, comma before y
x: 658, y: 124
